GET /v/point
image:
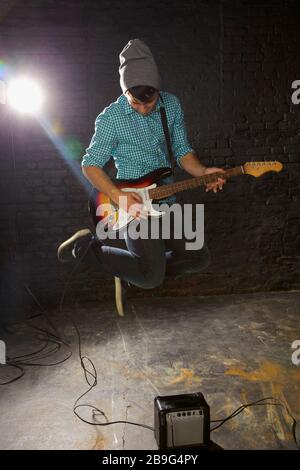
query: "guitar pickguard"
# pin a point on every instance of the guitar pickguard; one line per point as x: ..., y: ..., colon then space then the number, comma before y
x: 117, y: 219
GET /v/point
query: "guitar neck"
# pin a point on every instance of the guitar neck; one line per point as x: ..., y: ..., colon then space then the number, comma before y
x: 169, y: 189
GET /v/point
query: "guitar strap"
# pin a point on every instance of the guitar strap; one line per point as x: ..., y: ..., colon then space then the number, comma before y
x: 164, y: 121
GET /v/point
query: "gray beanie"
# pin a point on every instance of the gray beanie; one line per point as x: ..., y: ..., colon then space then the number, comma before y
x: 137, y: 66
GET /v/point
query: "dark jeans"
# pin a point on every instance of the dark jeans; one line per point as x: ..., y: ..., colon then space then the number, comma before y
x: 146, y: 262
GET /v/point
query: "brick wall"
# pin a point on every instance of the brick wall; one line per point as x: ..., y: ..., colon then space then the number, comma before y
x: 231, y: 64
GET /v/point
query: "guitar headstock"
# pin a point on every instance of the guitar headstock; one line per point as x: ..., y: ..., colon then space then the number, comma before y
x: 259, y: 168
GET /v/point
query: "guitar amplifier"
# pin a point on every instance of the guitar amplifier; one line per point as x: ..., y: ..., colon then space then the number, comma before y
x: 181, y: 421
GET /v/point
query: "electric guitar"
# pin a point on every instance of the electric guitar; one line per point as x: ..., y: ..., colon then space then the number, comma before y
x: 112, y: 218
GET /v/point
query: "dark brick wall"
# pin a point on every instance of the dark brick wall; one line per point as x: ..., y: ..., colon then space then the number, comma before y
x: 230, y: 63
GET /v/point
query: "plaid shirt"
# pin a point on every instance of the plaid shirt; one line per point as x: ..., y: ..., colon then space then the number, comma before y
x: 136, y: 142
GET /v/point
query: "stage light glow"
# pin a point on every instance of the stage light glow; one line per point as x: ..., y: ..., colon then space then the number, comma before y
x: 2, y: 69
x: 24, y: 95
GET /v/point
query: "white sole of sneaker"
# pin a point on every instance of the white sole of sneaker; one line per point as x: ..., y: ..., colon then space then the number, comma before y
x: 119, y: 297
x: 72, y: 239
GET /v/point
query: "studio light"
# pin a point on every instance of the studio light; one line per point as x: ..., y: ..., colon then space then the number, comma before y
x: 24, y: 95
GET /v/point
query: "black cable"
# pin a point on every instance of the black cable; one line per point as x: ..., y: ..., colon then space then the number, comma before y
x: 261, y: 402
x: 91, y: 386
x: 28, y: 354
x: 17, y: 363
x: 14, y: 379
x: 51, y: 340
x: 31, y: 359
x: 43, y: 312
x: 48, y: 333
x: 23, y: 360
x: 37, y: 354
x: 82, y: 358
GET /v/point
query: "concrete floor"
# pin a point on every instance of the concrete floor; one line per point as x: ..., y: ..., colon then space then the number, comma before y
x: 234, y: 349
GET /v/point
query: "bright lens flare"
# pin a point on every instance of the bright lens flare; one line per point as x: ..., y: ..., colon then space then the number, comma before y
x: 24, y: 95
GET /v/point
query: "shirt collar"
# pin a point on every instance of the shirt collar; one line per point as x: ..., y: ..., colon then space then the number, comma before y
x: 129, y: 109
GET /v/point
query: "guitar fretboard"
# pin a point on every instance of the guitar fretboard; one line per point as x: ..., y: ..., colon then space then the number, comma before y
x: 169, y: 189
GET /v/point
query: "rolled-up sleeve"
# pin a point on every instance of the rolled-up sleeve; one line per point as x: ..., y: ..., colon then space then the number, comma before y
x: 102, y: 143
x: 181, y: 145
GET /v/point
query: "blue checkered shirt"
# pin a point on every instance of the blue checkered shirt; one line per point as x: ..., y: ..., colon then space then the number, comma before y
x: 136, y: 142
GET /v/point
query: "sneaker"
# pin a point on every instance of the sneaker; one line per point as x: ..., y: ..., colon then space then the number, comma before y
x: 121, y: 288
x: 67, y: 250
